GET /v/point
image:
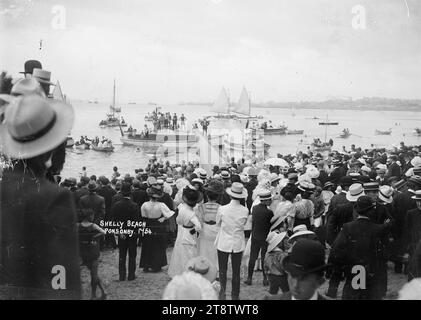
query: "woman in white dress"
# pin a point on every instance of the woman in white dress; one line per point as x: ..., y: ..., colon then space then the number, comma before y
x: 206, y: 212
x: 185, y: 247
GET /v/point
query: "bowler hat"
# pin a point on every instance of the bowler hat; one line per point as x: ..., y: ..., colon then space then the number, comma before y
x: 363, y: 204
x: 125, y: 189
x: 306, y: 256
x: 215, y: 186
x: 92, y: 186
x: 371, y: 186
x: 30, y: 65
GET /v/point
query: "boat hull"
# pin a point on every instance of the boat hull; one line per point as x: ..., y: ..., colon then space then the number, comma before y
x: 165, y: 139
x: 102, y: 149
x: 383, y: 133
x: 274, y: 131
x: 295, y: 132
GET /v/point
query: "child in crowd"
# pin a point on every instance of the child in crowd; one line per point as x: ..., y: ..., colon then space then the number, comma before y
x: 278, y: 246
x: 89, y: 233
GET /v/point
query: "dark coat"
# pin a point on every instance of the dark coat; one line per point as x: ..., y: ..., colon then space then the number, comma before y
x: 261, y: 217
x: 125, y: 210
x: 394, y: 171
x: 341, y: 215
x: 39, y: 231
x: 337, y: 200
x: 117, y: 197
x: 107, y: 192
x: 96, y: 203
x: 78, y: 194
x: 250, y: 186
x: 412, y: 230
x: 336, y: 175
x: 140, y: 197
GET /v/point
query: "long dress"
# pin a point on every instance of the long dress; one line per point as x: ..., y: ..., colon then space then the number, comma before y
x: 185, y: 247
x: 206, y: 214
x: 154, y: 245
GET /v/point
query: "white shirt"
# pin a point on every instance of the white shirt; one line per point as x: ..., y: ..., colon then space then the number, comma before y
x: 232, y: 219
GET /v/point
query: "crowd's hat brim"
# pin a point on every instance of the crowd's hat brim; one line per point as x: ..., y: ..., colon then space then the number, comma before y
x: 353, y: 198
x: 276, y: 240
x: 301, y: 233
x: 241, y: 195
x: 50, y: 140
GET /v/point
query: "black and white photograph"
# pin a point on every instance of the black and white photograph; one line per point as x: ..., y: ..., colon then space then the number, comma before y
x: 228, y: 150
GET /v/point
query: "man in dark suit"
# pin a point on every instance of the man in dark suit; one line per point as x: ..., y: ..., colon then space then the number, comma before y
x: 359, y: 244
x: 412, y: 232
x: 139, y: 193
x: 305, y: 265
x: 94, y: 202
x: 337, y: 172
x: 123, y: 211
x: 261, y: 216
x: 118, y: 196
x: 82, y: 191
x: 250, y: 186
x: 403, y: 203
x: 393, y: 170
x: 107, y: 192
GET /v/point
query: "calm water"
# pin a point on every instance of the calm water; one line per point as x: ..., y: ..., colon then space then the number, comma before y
x: 127, y: 158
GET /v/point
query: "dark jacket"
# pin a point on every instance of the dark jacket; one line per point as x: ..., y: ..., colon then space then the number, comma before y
x: 38, y: 232
x: 125, y: 210
x: 359, y: 243
x: 117, y: 197
x: 261, y: 217
x: 78, y: 194
x: 341, y: 215
x: 412, y: 230
x: 394, y: 171
x: 96, y: 203
x: 140, y: 196
x: 250, y: 186
x: 107, y: 192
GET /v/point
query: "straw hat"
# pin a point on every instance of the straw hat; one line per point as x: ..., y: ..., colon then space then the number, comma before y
x: 386, y: 193
x: 300, y: 230
x: 42, y: 76
x: 416, y: 161
x: 265, y: 195
x: 33, y: 126
x: 273, y: 239
x: 417, y: 195
x: 237, y: 190
x: 355, y: 191
x: 371, y: 186
x: 189, y: 286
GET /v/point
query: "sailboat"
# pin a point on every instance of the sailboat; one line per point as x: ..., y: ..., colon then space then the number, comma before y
x: 319, y: 146
x: 112, y: 120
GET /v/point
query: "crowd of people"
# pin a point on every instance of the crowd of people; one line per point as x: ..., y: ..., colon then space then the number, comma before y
x: 318, y: 217
x: 166, y: 120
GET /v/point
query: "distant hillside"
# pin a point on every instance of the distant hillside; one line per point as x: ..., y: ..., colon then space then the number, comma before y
x: 374, y: 103
x: 359, y: 104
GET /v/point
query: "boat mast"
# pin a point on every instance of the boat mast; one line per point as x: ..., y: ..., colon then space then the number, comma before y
x: 114, y: 97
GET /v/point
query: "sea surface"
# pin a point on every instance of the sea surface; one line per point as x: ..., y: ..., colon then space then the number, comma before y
x: 361, y: 124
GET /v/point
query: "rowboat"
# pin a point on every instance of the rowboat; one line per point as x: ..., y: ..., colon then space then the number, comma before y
x: 70, y: 142
x: 81, y: 146
x: 102, y: 149
x: 383, y: 133
x: 295, y: 131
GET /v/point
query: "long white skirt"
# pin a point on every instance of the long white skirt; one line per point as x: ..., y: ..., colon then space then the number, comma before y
x: 206, y: 243
x: 185, y: 248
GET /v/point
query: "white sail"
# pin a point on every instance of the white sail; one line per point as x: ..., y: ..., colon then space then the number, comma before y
x: 243, y: 106
x: 221, y: 105
x: 57, y: 93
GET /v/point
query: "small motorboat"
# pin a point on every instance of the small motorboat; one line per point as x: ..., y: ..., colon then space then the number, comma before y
x: 345, y: 134
x: 383, y: 133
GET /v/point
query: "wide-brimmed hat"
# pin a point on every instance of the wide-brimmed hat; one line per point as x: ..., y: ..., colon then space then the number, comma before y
x: 30, y: 65
x: 237, y: 190
x: 215, y: 186
x: 92, y: 186
x: 225, y: 175
x: 26, y: 87
x: 278, y: 219
x: 366, y: 169
x: 416, y: 161
x: 203, y: 266
x: 170, y: 181
x: 197, y: 180
x: 265, y: 195
x: 300, y: 230
x: 274, y: 238
x: 191, y: 196
x: 151, y: 181
x: 355, y: 191
x: 252, y: 172
x: 371, y: 186
x: 306, y: 186
x: 363, y: 204
x: 306, y: 256
x: 202, y: 174
x: 42, y: 76
x: 33, y: 125
x: 386, y: 193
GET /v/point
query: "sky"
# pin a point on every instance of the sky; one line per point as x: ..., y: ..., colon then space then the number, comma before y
x: 168, y: 51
